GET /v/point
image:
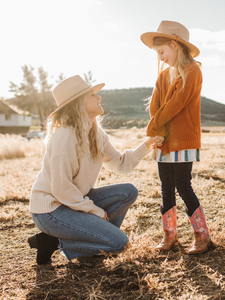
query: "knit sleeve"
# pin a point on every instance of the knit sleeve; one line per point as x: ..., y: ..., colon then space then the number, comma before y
x: 155, y: 100
x: 123, y: 162
x: 179, y: 99
x: 67, y: 193
x: 154, y: 107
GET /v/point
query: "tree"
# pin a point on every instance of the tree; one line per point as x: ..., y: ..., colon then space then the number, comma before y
x: 60, y: 78
x: 46, y: 98
x: 89, y: 78
x: 27, y: 94
x: 29, y: 98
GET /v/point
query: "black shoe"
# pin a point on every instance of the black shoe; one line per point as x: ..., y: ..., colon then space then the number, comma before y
x: 45, y: 245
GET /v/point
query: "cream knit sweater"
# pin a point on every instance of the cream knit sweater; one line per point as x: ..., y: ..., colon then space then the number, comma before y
x: 63, y: 181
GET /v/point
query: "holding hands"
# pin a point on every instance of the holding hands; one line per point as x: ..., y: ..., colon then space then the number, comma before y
x: 154, y: 142
x: 157, y: 141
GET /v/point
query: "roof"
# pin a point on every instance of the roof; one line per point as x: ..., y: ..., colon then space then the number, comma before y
x: 10, y: 109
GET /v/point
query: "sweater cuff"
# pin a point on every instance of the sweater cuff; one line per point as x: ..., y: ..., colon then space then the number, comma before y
x: 154, y: 132
x: 161, y: 131
x: 98, y: 211
x: 141, y: 151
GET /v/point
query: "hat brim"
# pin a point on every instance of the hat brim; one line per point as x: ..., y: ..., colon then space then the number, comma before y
x: 95, y: 89
x: 147, y: 39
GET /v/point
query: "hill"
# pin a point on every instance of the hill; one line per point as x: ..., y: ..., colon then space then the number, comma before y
x: 212, y: 113
x: 127, y: 107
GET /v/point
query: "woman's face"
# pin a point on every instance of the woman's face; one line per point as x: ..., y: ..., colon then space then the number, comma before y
x: 167, y: 53
x: 93, y: 106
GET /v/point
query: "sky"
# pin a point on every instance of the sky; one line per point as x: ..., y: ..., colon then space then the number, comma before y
x: 103, y: 36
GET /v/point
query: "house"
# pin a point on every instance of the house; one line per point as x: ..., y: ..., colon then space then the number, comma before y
x: 13, y: 119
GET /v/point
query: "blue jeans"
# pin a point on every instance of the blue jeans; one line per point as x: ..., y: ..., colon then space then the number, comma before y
x: 177, y: 175
x: 83, y: 234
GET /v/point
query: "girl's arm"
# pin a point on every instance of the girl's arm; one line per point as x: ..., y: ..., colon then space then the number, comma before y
x: 155, y: 106
x: 179, y: 100
x: 155, y: 100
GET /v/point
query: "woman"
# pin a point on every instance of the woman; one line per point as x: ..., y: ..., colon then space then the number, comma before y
x: 71, y: 213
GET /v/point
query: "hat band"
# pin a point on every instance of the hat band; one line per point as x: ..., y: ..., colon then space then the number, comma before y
x: 176, y: 36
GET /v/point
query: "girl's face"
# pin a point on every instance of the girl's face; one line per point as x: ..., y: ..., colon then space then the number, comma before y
x: 167, y: 53
x: 93, y: 106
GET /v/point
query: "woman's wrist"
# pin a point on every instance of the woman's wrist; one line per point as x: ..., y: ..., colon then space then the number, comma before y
x: 148, y: 143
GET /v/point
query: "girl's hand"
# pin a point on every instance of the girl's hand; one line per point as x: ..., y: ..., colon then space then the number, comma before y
x: 106, y: 217
x: 157, y: 141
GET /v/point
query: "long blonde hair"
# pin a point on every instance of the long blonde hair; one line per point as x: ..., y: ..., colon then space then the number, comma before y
x: 184, y: 58
x: 75, y: 116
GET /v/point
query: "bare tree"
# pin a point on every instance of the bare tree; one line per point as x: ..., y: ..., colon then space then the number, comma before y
x: 89, y: 78
x: 46, y: 98
x: 60, y: 78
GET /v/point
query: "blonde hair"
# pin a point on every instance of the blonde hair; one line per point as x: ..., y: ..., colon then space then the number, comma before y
x: 184, y: 58
x: 75, y: 116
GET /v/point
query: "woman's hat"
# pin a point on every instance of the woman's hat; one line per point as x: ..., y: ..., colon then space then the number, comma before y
x: 171, y: 30
x: 71, y: 88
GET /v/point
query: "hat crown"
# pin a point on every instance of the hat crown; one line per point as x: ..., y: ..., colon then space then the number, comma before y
x: 174, y: 28
x: 171, y: 30
x: 69, y: 88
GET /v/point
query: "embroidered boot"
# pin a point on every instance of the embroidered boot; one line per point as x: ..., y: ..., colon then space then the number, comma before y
x: 202, y: 239
x: 45, y: 245
x: 169, y: 220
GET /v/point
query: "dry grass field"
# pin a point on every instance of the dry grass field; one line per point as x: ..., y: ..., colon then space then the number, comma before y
x: 139, y: 273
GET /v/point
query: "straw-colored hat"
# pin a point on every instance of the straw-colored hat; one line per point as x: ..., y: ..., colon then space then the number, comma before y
x: 71, y: 88
x: 172, y: 30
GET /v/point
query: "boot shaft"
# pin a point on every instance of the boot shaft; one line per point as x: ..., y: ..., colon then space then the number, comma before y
x: 169, y: 220
x: 198, y: 222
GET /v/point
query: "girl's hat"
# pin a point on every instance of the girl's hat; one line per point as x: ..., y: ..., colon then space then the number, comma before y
x: 70, y: 89
x: 171, y: 30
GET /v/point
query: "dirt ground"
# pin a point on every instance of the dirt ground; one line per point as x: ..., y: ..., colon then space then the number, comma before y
x: 139, y: 273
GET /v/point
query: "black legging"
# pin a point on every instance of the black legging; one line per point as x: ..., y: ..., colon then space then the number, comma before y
x: 177, y: 175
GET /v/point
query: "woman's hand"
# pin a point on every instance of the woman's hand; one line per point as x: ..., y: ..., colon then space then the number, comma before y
x: 157, y: 141
x: 154, y: 142
x: 149, y: 143
x: 106, y: 217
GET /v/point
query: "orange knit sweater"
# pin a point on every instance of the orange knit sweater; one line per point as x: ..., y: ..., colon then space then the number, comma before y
x: 175, y: 112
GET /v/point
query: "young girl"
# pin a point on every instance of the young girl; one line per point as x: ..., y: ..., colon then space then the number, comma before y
x: 175, y: 117
x: 64, y: 203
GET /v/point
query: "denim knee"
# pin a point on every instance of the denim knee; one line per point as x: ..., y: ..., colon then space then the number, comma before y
x: 38, y: 222
x: 132, y: 190
x: 122, y: 242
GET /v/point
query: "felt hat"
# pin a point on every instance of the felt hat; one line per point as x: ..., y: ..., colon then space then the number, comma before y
x: 70, y: 89
x: 171, y: 30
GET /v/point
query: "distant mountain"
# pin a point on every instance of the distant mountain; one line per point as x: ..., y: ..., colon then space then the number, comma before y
x: 127, y: 107
x: 212, y: 113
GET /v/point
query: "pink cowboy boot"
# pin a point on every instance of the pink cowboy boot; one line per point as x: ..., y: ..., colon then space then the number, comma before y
x: 201, y: 232
x: 169, y: 220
